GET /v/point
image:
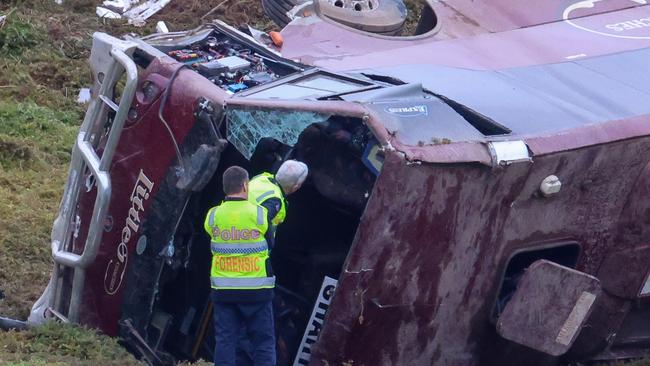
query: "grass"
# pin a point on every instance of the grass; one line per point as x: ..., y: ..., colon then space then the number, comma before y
x: 34, y: 152
x: 62, y: 344
x: 43, y: 58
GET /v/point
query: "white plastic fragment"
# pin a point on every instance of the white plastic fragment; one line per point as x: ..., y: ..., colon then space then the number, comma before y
x: 136, y: 11
x: 161, y: 27
x: 302, y: 10
x: 118, y: 6
x: 3, y: 18
x: 550, y: 185
x: 108, y: 14
x: 84, y: 96
x: 142, y: 12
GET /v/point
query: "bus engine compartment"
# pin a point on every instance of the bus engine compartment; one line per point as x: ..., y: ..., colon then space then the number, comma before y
x: 228, y: 60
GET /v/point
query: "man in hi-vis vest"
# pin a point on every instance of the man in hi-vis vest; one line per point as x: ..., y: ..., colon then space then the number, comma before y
x: 269, y: 190
x: 241, y: 276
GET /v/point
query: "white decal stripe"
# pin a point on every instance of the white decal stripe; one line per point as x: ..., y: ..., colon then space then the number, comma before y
x: 645, y: 290
x: 575, y: 319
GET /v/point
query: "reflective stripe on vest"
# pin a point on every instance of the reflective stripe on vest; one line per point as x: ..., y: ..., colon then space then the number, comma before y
x: 211, y: 214
x: 262, y: 187
x: 264, y: 195
x: 239, y: 283
x: 261, y: 215
x: 238, y: 248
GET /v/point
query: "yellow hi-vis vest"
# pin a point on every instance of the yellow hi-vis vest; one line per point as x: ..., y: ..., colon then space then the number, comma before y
x: 239, y: 249
x: 263, y: 187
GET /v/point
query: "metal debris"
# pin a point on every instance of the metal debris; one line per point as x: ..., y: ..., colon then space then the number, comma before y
x: 136, y: 11
x: 12, y: 324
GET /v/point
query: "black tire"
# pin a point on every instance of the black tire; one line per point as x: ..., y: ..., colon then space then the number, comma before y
x: 278, y: 17
x: 290, y: 3
x: 386, y: 17
x: 282, y: 4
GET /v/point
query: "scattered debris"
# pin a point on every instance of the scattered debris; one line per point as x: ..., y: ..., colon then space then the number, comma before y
x: 266, y: 39
x: 3, y: 18
x: 105, y: 13
x: 161, y: 27
x: 84, y: 96
x: 301, y: 10
x: 258, y: 35
x: 135, y: 11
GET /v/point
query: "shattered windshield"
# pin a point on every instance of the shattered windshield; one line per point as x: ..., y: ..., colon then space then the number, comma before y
x: 246, y: 127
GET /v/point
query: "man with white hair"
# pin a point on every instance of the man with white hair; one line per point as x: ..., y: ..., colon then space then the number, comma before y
x: 269, y: 191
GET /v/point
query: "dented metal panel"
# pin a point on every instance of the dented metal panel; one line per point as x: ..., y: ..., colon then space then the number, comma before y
x: 415, y: 285
x: 549, y: 307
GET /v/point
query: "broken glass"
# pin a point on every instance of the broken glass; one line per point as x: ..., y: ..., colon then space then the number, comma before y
x: 246, y: 127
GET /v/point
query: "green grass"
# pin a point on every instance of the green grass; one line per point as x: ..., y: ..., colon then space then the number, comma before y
x: 18, y: 36
x: 35, y: 144
x: 61, y: 344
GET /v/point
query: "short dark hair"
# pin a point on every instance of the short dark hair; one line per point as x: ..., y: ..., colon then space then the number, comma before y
x: 234, y: 179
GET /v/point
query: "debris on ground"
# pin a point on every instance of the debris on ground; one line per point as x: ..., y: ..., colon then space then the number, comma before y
x: 84, y: 96
x: 135, y: 11
x: 161, y: 27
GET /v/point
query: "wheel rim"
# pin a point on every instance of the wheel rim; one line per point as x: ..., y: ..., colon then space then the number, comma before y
x: 356, y: 5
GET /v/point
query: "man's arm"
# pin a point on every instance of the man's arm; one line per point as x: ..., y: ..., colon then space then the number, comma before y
x: 272, y: 206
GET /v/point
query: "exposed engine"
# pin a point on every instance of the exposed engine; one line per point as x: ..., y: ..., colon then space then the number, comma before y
x: 229, y: 64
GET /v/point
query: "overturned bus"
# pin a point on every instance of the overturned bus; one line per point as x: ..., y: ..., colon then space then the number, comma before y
x: 478, y: 193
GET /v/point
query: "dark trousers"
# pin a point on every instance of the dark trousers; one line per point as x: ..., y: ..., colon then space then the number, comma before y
x: 256, y: 319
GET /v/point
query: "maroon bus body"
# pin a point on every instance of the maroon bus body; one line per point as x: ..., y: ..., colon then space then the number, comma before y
x: 144, y: 145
